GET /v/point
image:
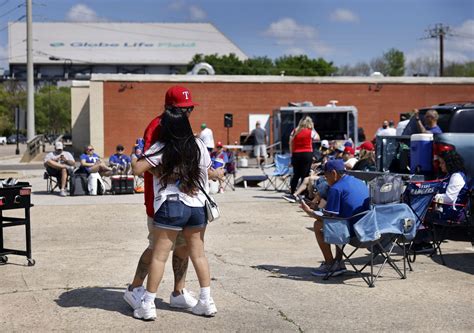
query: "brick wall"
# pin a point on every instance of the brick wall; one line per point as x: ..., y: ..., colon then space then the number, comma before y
x: 129, y: 106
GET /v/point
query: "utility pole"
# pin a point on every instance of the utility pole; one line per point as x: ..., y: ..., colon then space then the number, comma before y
x: 30, y: 84
x: 440, y: 31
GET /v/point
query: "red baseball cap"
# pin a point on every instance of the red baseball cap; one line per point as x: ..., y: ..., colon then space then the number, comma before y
x: 349, y: 150
x: 367, y: 145
x: 179, y: 96
x: 219, y: 144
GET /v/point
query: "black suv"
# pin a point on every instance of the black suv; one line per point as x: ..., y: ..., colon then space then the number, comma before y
x: 454, y: 117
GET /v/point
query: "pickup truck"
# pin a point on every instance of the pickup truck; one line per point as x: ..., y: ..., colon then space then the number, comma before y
x: 457, y: 123
x: 3, y: 140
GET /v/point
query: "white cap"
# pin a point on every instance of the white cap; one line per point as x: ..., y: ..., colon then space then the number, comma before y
x: 58, y: 145
x: 325, y: 144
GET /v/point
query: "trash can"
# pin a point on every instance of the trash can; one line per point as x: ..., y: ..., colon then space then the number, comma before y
x: 421, y: 153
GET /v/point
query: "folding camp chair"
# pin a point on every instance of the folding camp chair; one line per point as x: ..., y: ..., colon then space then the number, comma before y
x: 51, y: 182
x: 451, y: 221
x: 279, y: 179
x: 230, y: 171
x: 419, y: 196
x: 377, y: 230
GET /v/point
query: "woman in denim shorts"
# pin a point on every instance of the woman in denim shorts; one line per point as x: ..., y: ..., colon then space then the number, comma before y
x: 179, y: 163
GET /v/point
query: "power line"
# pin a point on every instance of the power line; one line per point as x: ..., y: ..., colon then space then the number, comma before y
x: 439, y: 31
x: 12, y: 10
x: 17, y: 20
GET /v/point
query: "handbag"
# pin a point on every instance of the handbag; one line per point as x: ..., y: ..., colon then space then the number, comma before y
x: 212, y: 209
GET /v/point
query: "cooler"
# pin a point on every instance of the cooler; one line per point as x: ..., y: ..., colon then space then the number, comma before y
x: 122, y: 184
x: 421, y: 153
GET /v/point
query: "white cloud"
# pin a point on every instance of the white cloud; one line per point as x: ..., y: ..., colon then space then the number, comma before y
x: 196, y: 13
x: 344, y: 15
x: 462, y: 38
x: 287, y: 31
x: 298, y: 39
x: 83, y: 13
x: 176, y: 5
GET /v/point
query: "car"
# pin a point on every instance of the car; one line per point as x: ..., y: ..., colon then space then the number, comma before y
x: 3, y: 140
x: 12, y: 139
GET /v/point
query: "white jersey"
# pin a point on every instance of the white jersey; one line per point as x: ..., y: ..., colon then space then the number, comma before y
x: 161, y: 192
x: 207, y: 137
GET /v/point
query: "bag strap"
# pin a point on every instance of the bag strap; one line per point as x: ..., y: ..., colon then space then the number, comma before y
x: 205, y: 193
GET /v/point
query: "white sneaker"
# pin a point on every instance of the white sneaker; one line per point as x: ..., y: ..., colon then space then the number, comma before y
x: 205, y: 309
x: 146, y: 311
x: 134, y: 297
x: 62, y: 193
x: 186, y: 300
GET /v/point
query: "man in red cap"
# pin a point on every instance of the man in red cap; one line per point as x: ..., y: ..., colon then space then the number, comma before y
x: 176, y: 97
x: 348, y: 158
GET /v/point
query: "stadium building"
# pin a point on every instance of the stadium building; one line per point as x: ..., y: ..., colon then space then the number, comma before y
x: 76, y: 50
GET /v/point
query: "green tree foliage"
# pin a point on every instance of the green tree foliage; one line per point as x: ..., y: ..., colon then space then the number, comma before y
x: 395, y: 61
x: 460, y: 70
x: 11, y: 96
x: 289, y: 65
x: 53, y: 110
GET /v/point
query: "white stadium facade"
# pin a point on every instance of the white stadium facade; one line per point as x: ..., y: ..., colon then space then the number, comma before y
x: 75, y: 50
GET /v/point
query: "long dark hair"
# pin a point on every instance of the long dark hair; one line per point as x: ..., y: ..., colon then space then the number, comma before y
x: 454, y: 161
x: 181, y: 154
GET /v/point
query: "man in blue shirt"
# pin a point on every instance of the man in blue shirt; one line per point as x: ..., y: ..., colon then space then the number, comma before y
x: 347, y: 196
x: 431, y: 122
x: 120, y: 162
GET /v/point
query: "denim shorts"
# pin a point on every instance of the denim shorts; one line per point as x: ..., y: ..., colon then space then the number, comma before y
x: 175, y: 215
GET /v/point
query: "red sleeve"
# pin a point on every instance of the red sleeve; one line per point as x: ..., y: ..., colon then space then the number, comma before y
x: 150, y: 136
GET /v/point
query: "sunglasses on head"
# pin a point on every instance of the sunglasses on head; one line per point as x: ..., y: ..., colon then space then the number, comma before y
x: 90, y: 149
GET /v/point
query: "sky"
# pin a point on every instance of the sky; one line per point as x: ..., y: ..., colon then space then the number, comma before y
x: 341, y: 31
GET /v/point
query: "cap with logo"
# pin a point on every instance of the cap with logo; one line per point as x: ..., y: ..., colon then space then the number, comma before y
x: 325, y: 144
x: 219, y: 144
x: 367, y: 145
x: 349, y: 150
x: 179, y: 96
x: 58, y: 145
x: 337, y: 165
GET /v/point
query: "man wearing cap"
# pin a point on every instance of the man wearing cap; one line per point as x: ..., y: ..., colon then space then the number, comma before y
x: 348, y: 158
x: 207, y: 137
x: 119, y: 161
x: 59, y: 164
x: 346, y: 197
x: 180, y: 298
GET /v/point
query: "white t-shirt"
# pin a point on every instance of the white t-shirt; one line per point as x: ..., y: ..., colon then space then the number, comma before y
x: 54, y: 155
x: 161, y: 193
x: 389, y: 131
x: 207, y: 137
x: 401, y: 126
x: 456, y: 183
x: 351, y: 162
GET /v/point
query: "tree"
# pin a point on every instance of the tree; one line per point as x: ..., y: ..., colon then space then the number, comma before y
x: 460, y: 70
x: 423, y: 66
x: 395, y: 60
x: 359, y: 69
x: 12, y: 96
x: 300, y: 65
x: 53, y: 110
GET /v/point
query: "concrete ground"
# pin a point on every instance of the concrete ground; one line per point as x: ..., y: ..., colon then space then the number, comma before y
x: 261, y: 253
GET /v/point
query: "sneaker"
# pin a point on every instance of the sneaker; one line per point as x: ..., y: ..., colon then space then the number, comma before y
x: 146, y: 311
x: 221, y: 190
x: 289, y: 197
x: 338, y: 268
x: 134, y: 297
x: 186, y: 300
x: 299, y: 198
x: 62, y: 193
x: 205, y: 309
x: 324, y: 269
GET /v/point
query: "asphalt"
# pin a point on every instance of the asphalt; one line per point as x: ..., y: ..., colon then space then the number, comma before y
x: 261, y: 253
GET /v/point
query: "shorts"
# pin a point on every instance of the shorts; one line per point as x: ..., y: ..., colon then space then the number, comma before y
x: 180, y: 240
x: 260, y: 150
x: 54, y: 173
x: 175, y: 215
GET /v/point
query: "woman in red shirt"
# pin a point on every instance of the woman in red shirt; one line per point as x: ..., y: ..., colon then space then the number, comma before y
x: 301, y: 149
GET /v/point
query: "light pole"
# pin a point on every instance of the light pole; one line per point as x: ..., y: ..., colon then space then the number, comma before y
x: 30, y: 86
x: 17, y: 111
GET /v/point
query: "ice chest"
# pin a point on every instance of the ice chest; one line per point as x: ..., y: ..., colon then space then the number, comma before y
x: 122, y: 184
x: 421, y: 153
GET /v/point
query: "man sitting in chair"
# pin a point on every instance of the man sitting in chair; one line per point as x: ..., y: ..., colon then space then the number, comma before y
x: 346, y: 197
x: 120, y: 162
x: 58, y: 163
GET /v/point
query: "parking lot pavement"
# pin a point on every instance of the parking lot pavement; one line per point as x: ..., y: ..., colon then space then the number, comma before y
x: 261, y: 253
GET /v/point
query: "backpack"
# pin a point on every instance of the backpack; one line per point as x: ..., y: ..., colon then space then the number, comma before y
x: 78, y: 184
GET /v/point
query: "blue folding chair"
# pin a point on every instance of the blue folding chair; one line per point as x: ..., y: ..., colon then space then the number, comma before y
x: 377, y: 230
x: 279, y: 179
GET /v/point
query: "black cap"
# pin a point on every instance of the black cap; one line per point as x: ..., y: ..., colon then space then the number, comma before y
x: 120, y: 147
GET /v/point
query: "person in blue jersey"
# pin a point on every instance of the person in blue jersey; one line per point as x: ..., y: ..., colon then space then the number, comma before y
x: 92, y: 163
x: 347, y: 196
x: 120, y: 162
x: 431, y: 122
